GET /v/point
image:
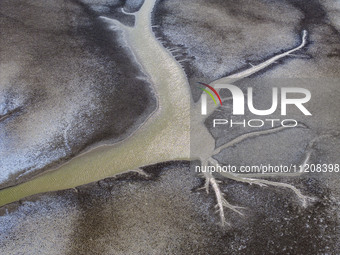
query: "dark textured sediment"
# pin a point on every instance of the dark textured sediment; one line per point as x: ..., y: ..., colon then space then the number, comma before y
x: 68, y: 83
x: 217, y: 37
x: 166, y: 214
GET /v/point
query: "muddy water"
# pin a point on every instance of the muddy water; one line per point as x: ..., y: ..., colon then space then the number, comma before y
x: 163, y: 137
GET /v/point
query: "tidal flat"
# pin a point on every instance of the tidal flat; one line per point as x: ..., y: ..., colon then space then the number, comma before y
x: 166, y: 213
x: 67, y: 84
x: 86, y: 83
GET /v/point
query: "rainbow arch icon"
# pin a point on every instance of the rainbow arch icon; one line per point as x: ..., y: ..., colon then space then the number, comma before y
x: 209, y: 93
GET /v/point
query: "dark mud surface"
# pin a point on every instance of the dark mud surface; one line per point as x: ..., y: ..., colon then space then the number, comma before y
x: 66, y: 83
x: 167, y: 214
x: 216, y: 38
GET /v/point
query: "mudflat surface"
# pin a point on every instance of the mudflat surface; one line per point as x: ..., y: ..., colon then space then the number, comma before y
x: 216, y: 38
x: 67, y: 83
x: 166, y: 213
